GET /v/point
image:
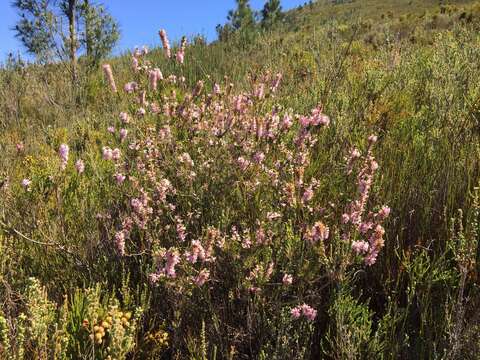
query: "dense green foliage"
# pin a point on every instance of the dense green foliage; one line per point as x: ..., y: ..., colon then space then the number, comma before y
x: 406, y: 71
x: 43, y: 31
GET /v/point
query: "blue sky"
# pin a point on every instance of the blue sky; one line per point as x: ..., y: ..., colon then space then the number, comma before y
x: 140, y: 20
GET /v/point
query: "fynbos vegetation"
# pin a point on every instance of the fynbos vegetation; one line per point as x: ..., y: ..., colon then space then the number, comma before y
x: 310, y: 193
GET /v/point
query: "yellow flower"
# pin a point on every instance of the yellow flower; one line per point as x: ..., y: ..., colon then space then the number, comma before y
x: 105, y: 324
x: 98, y: 338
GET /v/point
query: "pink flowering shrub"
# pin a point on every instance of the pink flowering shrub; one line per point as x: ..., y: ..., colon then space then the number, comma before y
x: 192, y: 154
x: 208, y: 196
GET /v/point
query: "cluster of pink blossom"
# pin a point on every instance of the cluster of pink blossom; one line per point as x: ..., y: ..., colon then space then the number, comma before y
x: 80, y: 166
x: 123, y: 134
x: 111, y: 154
x: 124, y: 117
x: 191, y: 140
x: 304, y: 310
x: 26, y: 184
x: 202, y: 277
x: 153, y: 77
x: 368, y: 225
x: 119, y: 178
x: 318, y: 232
x: 130, y: 87
x: 317, y: 118
x: 141, y: 209
x: 137, y: 54
x: 181, y: 229
x: 165, y: 42
x: 20, y: 147
x: 287, y: 279
x: 107, y: 69
x: 170, y: 258
x: 122, y: 235
x: 197, y: 252
x: 181, y: 51
x: 63, y: 152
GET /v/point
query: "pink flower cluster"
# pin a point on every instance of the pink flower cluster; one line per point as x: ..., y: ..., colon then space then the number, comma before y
x: 153, y: 77
x: 287, y: 279
x: 317, y: 118
x: 63, y: 152
x: 141, y: 209
x: 304, y: 310
x: 368, y: 224
x: 107, y: 69
x: 319, y: 232
x: 80, y: 166
x: 171, y: 259
x: 130, y: 87
x: 26, y: 184
x: 165, y: 42
x: 181, y: 51
x: 202, y: 277
x: 109, y: 154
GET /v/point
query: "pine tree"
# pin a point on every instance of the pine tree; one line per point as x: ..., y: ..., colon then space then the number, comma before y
x: 242, y: 17
x: 100, y: 31
x: 271, y: 13
x: 42, y: 31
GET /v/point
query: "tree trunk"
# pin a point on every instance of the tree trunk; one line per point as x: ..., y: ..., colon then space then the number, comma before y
x: 73, y: 38
x: 88, y: 30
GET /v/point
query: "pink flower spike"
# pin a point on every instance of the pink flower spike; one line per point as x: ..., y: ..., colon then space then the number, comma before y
x: 26, y: 184
x: 384, y: 212
x: 116, y: 154
x: 309, y: 312
x: 124, y: 117
x: 287, y: 122
x: 202, y: 277
x: 130, y: 87
x: 63, y: 153
x: 180, y: 57
x: 360, y: 247
x: 80, y: 166
x: 135, y: 64
x: 153, y: 79
x: 296, y: 312
x: 304, y: 121
x: 287, y: 279
x: 259, y: 157
x: 107, y: 69
x: 307, y: 195
x: 107, y: 153
x: 165, y: 42
x: 123, y: 134
x: 119, y: 178
x: 172, y: 258
x: 120, y: 242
